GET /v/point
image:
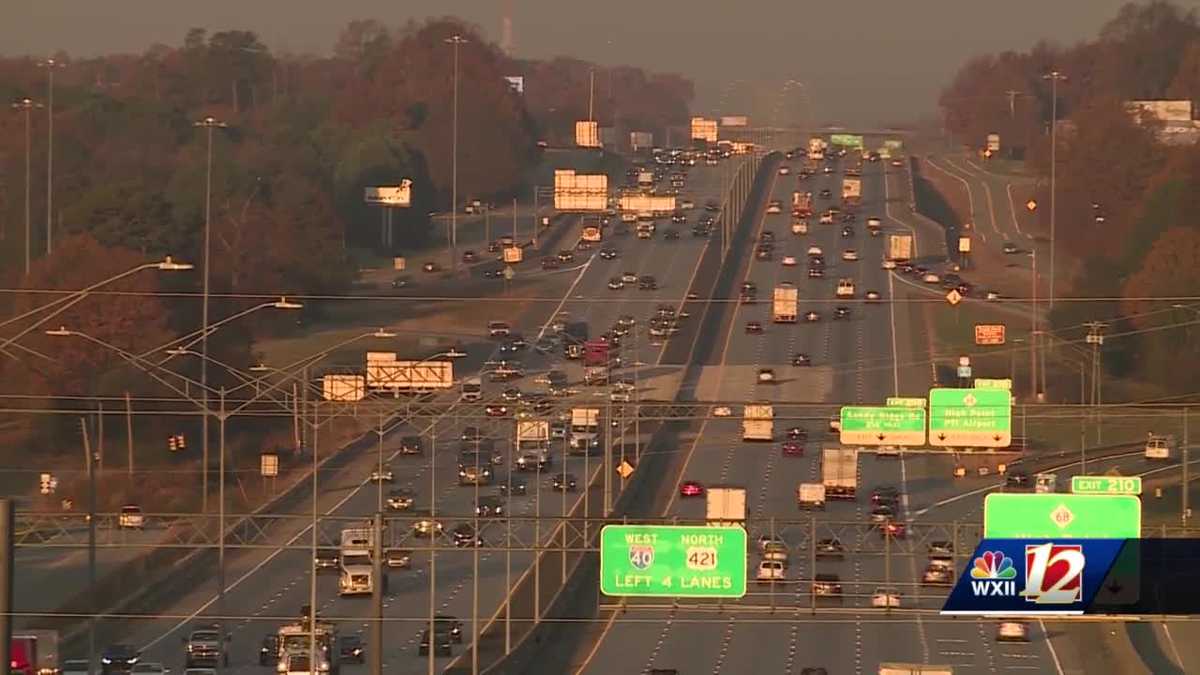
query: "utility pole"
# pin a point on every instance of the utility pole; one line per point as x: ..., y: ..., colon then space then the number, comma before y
x: 208, y: 124
x: 1012, y: 102
x: 455, y: 40
x: 591, y: 94
x: 26, y: 105
x: 1095, y: 338
x: 1055, y: 77
x: 50, y: 65
x: 377, y: 590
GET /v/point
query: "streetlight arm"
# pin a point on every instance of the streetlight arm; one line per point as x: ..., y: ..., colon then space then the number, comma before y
x: 246, y: 380
x: 186, y: 342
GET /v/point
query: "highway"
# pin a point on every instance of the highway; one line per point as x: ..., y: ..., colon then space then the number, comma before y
x: 267, y: 586
x: 873, y: 354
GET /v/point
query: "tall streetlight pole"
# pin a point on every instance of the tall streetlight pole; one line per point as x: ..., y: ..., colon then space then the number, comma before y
x: 208, y: 124
x: 1055, y: 77
x: 455, y: 40
x: 26, y: 105
x: 50, y: 65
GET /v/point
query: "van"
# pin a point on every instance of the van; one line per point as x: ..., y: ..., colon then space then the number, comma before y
x: 472, y: 390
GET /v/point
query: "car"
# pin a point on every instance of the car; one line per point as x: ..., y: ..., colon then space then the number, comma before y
x: 792, y: 449
x: 825, y: 218
x: 931, y: 278
x: 941, y: 550
x: 131, y: 518
x: 400, y: 282
x: 815, y: 251
x: 847, y: 231
x: 874, y: 222
x: 679, y: 217
x: 615, y: 284
x: 754, y: 327
x: 326, y: 559
x: 400, y: 500
x: 784, y: 170
x: 608, y: 253
x: 894, y: 529
x: 424, y: 525
x: 441, y: 644
x: 647, y: 283
x: 411, y: 445
x: 888, y: 264
x: 897, y: 163
x: 513, y: 486
x: 812, y: 316
x: 383, y: 475
x: 885, y: 494
x: 566, y: 256
x: 800, y: 359
x: 799, y: 227
x: 529, y: 461
x: 495, y: 410
x: 1010, y: 248
x: 775, y: 207
x: 841, y: 312
x: 464, y: 536
x: 564, y: 482
x: 200, y: 671
x: 512, y: 395
x: 396, y: 558
x: 469, y: 257
x: 268, y: 650
x: 830, y: 548
x: 118, y: 658
x: 629, y: 278
x: 766, y: 376
x: 431, y: 267
x: 850, y: 255
x: 885, y: 597
x: 770, y: 571
x: 827, y: 585
x: 764, y: 253
x: 835, y: 423
x: 797, y: 434
x: 789, y: 261
x: 489, y: 506
x: 882, y: 513
x: 687, y: 204
x: 498, y: 329
x: 872, y: 296
x: 350, y: 648
x: 992, y: 296
x: 826, y: 192
x: 775, y: 550
x: 722, y: 411
x: 828, y: 169
x: 816, y: 272
x: 690, y: 488
x: 1012, y: 631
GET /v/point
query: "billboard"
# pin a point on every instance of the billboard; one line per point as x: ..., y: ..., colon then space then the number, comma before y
x: 734, y: 121
x: 704, y: 130
x: 651, y: 203
x: 580, y: 192
x: 408, y: 375
x: 1163, y: 111
x: 399, y: 195
x: 641, y: 139
x: 587, y: 134
x: 900, y: 247
x: 344, y: 387
x: 516, y: 82
x: 847, y: 141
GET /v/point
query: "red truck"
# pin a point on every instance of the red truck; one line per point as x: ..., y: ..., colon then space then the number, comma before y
x: 34, y: 652
x: 595, y: 362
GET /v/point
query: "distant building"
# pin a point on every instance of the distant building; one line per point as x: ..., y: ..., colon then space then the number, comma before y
x: 1173, y: 121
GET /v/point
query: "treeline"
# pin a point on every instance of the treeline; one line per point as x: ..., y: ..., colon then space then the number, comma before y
x: 304, y: 135
x: 1128, y: 205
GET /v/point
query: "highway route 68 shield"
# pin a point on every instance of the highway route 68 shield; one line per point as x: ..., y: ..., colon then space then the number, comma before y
x: 641, y: 556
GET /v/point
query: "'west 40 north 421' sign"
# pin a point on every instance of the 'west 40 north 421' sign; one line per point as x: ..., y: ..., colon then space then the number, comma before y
x: 676, y: 561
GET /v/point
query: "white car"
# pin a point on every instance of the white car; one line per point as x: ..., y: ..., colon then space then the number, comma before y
x: 835, y: 423
x: 789, y: 261
x: 874, y: 222
x: 826, y: 218
x: 815, y: 250
x: 766, y: 375
x: 384, y: 475
x: 931, y: 278
x: 850, y: 255
x: 800, y: 227
x: 722, y: 411
x: 687, y: 204
x: 827, y: 169
x: 774, y: 207
x: 885, y: 597
x: 993, y: 295
x: 872, y: 296
x: 889, y: 264
x: 775, y: 551
x: 770, y: 570
x: 785, y: 170
x: 1012, y: 631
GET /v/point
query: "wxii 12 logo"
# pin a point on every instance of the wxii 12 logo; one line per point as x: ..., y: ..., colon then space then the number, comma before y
x: 1053, y: 573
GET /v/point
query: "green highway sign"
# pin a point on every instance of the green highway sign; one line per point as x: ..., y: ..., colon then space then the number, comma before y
x: 984, y: 383
x: 879, y: 425
x: 673, y: 561
x: 906, y: 402
x: 1106, y: 485
x: 970, y: 417
x: 893, y: 144
x: 847, y: 140
x: 1050, y: 515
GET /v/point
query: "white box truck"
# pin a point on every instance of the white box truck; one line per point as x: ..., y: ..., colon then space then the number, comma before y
x: 725, y: 505
x: 839, y: 472
x: 810, y: 495
x: 758, y: 422
x: 783, y: 308
x: 357, y: 571
x: 585, y: 430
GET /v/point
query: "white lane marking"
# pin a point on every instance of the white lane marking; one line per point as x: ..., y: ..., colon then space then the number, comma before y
x: 567, y: 296
x: 1171, y: 641
x: 1012, y: 209
x: 1050, y: 645
x: 987, y: 190
x: 970, y: 196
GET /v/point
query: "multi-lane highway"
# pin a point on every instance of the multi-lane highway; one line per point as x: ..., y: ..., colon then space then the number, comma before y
x: 266, y: 586
x: 873, y: 354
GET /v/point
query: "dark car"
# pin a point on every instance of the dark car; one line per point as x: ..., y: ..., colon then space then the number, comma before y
x: 351, y: 649
x: 754, y: 327
x: 441, y: 644
x: 549, y: 263
x: 647, y: 283
x: 847, y: 231
x: 566, y: 256
x: 801, y: 360
x: 841, y: 312
x: 1016, y: 479
x: 469, y: 257
x: 565, y: 482
x: 465, y: 536
x: 489, y: 506
x: 887, y: 495
x: 830, y: 548
x: 118, y: 659
x: 326, y: 560
x: 608, y: 253
x: 268, y: 650
x: 514, y: 486
x: 671, y: 235
x: 411, y: 445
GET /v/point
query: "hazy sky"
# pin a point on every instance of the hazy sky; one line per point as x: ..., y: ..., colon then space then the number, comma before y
x: 862, y: 62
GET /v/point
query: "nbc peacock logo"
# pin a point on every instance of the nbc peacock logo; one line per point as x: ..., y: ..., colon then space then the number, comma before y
x: 993, y: 574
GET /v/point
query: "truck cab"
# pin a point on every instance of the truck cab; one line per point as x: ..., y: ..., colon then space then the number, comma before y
x: 205, y: 648
x: 472, y: 389
x: 845, y: 288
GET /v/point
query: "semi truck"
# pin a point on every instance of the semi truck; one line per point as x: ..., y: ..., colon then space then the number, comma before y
x: 294, y: 640
x: 725, y: 505
x: 34, y: 652
x: 596, y: 362
x: 585, y: 430
x: 801, y: 204
x: 783, y: 308
x: 357, y: 571
x: 591, y: 233
x: 817, y: 147
x: 839, y: 472
x: 758, y: 422
x: 851, y: 191
x: 810, y: 495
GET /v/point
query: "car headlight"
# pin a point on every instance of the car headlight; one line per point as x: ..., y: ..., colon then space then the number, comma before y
x: 105, y: 660
x: 281, y: 667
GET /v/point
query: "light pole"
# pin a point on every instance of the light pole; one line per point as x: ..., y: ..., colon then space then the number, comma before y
x: 26, y: 105
x: 455, y: 40
x: 1055, y: 77
x: 50, y: 65
x: 208, y: 124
